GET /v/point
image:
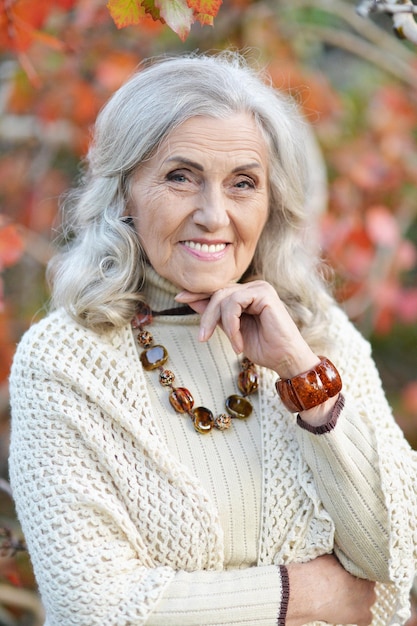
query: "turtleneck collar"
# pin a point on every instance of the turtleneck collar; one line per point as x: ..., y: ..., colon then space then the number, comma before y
x: 159, y: 293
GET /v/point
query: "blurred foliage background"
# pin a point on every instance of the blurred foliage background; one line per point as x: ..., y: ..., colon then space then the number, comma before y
x: 357, y: 85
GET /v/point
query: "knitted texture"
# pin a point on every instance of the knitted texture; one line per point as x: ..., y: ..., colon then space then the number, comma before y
x: 119, y: 528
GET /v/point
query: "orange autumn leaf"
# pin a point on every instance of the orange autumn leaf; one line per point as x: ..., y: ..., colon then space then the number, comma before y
x: 65, y: 4
x: 391, y: 111
x: 11, y: 245
x: 12, y: 576
x: 205, y: 7
x: 19, y: 20
x: 204, y: 19
x: 76, y: 100
x: 48, y: 40
x: 115, y: 67
x: 179, y: 15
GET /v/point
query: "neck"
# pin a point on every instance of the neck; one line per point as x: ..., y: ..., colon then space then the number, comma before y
x: 159, y: 293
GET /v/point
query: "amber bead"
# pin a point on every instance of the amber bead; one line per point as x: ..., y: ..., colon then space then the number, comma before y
x: 239, y: 407
x: 154, y: 357
x: 166, y: 377
x: 203, y: 420
x: 145, y: 338
x: 181, y: 399
x: 246, y: 363
x: 143, y: 316
x: 248, y: 381
x: 223, y: 421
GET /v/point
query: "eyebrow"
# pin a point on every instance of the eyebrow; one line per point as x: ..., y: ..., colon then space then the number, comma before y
x: 200, y: 168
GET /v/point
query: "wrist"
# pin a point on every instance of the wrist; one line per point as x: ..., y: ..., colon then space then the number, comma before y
x: 303, y: 602
x: 322, y: 418
x: 293, y: 363
x: 316, y: 388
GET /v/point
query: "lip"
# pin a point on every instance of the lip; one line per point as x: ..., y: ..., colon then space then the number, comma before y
x: 205, y: 250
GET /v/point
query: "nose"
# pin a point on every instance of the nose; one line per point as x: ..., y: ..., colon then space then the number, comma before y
x: 211, y: 211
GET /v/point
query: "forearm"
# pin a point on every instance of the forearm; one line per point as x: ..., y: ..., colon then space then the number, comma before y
x: 346, y: 469
x: 257, y: 596
x: 322, y: 590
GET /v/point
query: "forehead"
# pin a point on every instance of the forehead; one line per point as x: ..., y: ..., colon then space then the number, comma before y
x: 235, y: 136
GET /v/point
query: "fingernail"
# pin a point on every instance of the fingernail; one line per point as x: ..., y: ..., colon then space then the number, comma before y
x: 202, y: 334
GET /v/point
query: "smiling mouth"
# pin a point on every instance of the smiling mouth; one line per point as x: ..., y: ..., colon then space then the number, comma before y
x: 205, y: 247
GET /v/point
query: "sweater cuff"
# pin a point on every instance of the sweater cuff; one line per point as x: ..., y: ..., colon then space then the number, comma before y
x: 285, y: 595
x: 330, y: 424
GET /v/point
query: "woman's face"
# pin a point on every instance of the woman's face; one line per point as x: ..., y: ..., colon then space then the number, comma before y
x: 201, y: 202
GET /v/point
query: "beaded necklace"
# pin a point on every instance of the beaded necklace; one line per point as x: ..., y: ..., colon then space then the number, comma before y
x: 154, y: 356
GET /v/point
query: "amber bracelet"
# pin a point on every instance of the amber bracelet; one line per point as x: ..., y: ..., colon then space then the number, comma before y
x: 311, y: 388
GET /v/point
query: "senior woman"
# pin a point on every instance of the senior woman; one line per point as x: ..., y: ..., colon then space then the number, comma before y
x: 199, y: 435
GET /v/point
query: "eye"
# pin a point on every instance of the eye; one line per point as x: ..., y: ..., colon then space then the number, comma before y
x: 245, y: 182
x: 178, y: 176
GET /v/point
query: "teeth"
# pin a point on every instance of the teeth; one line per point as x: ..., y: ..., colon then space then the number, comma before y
x: 204, y: 247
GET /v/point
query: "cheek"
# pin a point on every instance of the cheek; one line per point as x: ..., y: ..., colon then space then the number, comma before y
x: 154, y: 231
x: 148, y: 222
x: 254, y: 225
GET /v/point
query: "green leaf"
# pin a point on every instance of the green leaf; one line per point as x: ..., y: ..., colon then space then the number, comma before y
x: 125, y: 12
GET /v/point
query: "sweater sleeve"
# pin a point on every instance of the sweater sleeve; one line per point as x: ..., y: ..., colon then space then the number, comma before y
x: 365, y: 471
x: 247, y: 596
x: 83, y: 524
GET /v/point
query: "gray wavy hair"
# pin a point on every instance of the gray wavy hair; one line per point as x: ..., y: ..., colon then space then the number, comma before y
x: 98, y: 274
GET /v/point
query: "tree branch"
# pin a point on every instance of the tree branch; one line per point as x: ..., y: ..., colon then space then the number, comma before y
x: 367, y: 51
x: 401, y: 11
x: 366, y: 7
x: 367, y: 29
x: 23, y: 600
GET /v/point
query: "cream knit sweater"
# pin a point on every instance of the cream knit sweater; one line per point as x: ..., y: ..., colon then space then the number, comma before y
x: 132, y: 518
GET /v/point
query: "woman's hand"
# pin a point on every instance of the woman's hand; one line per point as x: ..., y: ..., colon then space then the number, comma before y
x: 257, y: 323
x: 323, y: 590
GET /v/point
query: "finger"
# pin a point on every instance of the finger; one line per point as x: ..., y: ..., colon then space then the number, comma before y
x: 202, y: 302
x: 231, y: 322
x: 188, y: 296
x: 199, y: 306
x: 225, y: 310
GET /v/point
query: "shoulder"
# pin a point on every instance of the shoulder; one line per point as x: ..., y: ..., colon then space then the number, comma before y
x: 57, y: 338
x: 343, y: 335
x: 57, y: 329
x: 351, y: 352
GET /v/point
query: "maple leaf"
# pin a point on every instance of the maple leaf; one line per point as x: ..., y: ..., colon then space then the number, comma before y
x: 204, y: 19
x: 11, y: 245
x: 178, y: 15
x: 65, y: 4
x: 126, y: 12
x: 205, y: 7
x: 19, y: 20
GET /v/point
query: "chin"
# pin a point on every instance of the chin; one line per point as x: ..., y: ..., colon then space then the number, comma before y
x: 206, y: 282
x: 204, y: 286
